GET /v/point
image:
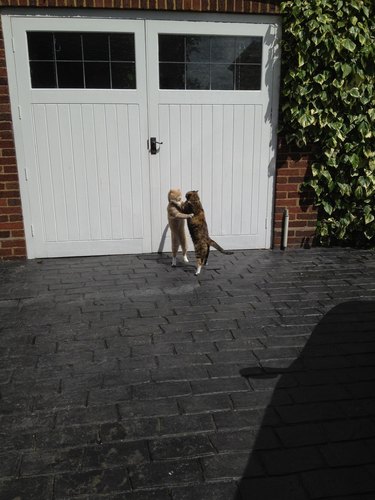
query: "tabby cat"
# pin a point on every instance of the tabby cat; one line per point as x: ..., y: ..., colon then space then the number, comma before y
x: 198, y: 230
x: 177, y: 224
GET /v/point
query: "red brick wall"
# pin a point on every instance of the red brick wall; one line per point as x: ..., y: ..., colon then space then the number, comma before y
x: 292, y: 167
x: 12, y: 238
x: 292, y: 170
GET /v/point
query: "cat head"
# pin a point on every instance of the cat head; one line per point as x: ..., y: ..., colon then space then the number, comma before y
x: 192, y: 196
x: 175, y: 195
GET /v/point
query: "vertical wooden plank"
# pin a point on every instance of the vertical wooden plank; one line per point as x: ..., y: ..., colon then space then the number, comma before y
x: 248, y: 169
x: 227, y: 153
x: 123, y: 134
x: 57, y: 174
x: 40, y: 134
x: 175, y: 145
x: 81, y: 178
x: 103, y: 174
x: 206, y: 194
x: 164, y: 157
x: 69, y: 171
x: 186, y: 148
x: 196, y: 146
x: 136, y: 162
x: 114, y: 171
x: 238, y: 139
x: 257, y: 172
x: 91, y: 170
x: 217, y: 168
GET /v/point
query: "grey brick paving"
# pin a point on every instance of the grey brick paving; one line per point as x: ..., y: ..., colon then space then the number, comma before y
x: 122, y: 378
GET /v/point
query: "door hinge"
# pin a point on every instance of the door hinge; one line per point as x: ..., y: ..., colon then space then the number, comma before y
x: 32, y: 230
x: 19, y: 112
x: 26, y: 175
x: 13, y: 46
x: 266, y: 223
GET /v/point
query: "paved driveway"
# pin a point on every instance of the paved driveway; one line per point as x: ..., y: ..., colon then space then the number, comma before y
x: 122, y: 378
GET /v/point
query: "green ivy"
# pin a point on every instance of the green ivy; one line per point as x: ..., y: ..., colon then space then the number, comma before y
x: 328, y: 102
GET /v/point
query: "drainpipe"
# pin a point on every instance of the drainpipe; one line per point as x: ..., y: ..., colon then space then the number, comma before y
x: 284, y: 243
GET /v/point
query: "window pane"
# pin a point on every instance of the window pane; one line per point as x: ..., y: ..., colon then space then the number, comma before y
x: 70, y: 75
x: 97, y: 75
x: 95, y: 47
x: 68, y: 46
x: 40, y: 46
x: 172, y: 48
x: 43, y: 75
x: 249, y: 50
x: 223, y: 49
x: 198, y: 76
x: 197, y: 48
x: 123, y: 75
x: 222, y: 77
x: 172, y: 76
x: 122, y: 47
x: 248, y: 77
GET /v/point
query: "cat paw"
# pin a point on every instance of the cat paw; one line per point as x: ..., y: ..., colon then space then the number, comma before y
x: 190, y: 216
x: 186, y: 259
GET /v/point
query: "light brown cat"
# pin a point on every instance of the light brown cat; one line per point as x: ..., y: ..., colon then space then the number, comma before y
x: 176, y: 221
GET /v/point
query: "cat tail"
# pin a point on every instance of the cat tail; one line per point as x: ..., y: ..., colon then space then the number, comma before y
x: 218, y: 247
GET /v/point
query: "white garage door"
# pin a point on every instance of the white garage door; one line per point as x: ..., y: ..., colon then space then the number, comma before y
x: 111, y: 113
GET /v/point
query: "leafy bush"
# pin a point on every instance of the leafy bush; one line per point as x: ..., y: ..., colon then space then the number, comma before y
x: 328, y: 102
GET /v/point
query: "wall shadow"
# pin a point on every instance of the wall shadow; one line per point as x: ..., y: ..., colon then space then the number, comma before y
x: 317, y: 436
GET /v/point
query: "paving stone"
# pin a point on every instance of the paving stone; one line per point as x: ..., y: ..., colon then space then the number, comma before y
x: 245, y: 440
x: 93, y: 482
x: 32, y: 488
x: 181, y: 447
x: 161, y: 390
x: 231, y: 466
x: 207, y: 403
x: 338, y: 482
x: 215, y: 491
x: 270, y: 488
x: 171, y: 473
x: 106, y: 456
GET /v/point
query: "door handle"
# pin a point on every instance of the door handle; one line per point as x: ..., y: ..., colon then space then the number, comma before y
x: 153, y: 146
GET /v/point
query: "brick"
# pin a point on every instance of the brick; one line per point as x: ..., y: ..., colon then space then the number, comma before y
x: 31, y: 487
x: 219, y: 385
x: 245, y: 419
x: 204, y: 491
x: 171, y: 473
x: 161, y: 390
x: 231, y: 466
x: 181, y: 447
x: 106, y: 456
x: 338, y: 482
x: 202, y: 404
x: 245, y: 440
x: 281, y: 462
x: 94, y: 482
x: 269, y: 488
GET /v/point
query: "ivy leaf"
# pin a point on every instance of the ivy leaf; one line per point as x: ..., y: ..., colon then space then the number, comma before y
x: 349, y: 44
x: 346, y: 70
x: 354, y: 92
x: 306, y: 120
x: 327, y: 207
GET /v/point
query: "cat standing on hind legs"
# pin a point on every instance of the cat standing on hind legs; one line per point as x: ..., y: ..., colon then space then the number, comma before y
x: 176, y: 221
x: 198, y: 230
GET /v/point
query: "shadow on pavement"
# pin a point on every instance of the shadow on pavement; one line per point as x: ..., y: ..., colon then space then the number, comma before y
x: 317, y: 437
